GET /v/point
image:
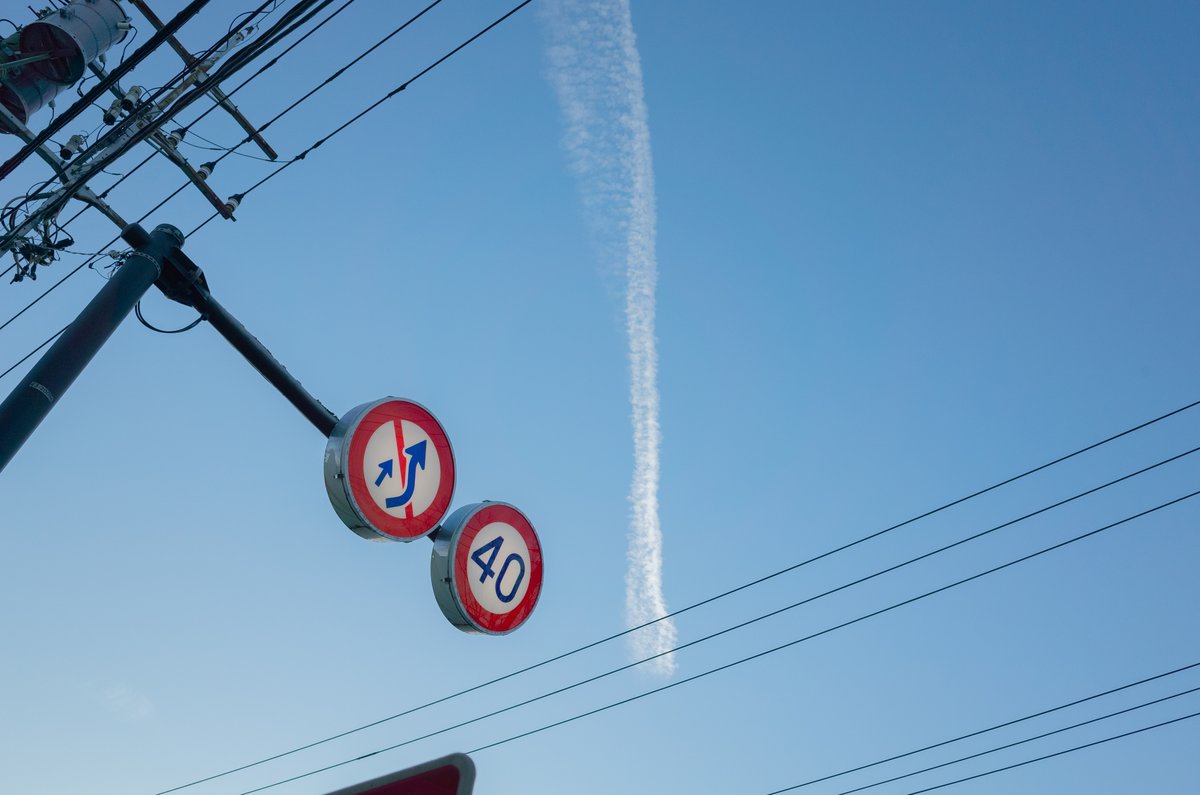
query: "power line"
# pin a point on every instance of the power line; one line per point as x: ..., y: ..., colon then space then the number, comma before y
x: 261, y: 46
x: 88, y: 261
x: 404, y: 85
x: 1005, y: 724
x: 340, y: 71
x: 223, y: 75
x: 102, y: 195
x: 685, y: 645
x: 1057, y: 753
x: 845, y: 623
x: 1006, y: 746
x: 282, y: 27
x: 272, y: 63
x: 113, y: 134
x: 53, y: 287
x: 25, y: 358
x: 701, y: 603
x: 374, y: 105
x: 238, y: 60
x: 120, y: 126
x: 260, y: 129
x: 229, y: 94
x: 742, y: 660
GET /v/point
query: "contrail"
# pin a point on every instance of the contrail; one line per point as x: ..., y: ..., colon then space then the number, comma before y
x: 596, y: 71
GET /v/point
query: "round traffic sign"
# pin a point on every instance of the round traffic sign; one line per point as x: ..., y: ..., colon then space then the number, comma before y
x: 486, y: 568
x: 389, y: 470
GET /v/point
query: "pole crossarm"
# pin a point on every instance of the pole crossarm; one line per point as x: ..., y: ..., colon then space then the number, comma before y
x: 218, y: 95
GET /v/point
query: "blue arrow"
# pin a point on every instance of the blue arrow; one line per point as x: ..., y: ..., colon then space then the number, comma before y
x: 416, y: 458
x: 385, y: 471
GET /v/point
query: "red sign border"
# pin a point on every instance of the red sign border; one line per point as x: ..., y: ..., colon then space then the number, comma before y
x: 376, y: 518
x: 460, y: 548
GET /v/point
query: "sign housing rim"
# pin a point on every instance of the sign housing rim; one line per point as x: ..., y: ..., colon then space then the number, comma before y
x: 341, y: 492
x: 443, y: 570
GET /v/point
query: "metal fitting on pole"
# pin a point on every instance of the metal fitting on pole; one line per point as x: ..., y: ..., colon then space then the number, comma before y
x: 73, y: 145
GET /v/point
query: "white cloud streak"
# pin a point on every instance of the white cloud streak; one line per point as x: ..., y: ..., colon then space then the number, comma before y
x: 597, y: 73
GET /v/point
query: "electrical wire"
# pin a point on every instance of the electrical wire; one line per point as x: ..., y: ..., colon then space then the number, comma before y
x: 98, y: 90
x: 52, y: 288
x: 281, y: 33
x: 216, y: 147
x: 151, y: 102
x: 678, y: 648
x: 979, y: 732
x: 133, y: 32
x: 291, y: 20
x: 130, y: 173
x: 228, y: 95
x: 298, y: 102
x: 145, y: 103
x: 842, y: 625
x: 365, y: 111
x: 259, y: 130
x: 272, y: 62
x: 93, y: 76
x: 151, y: 155
x: 1006, y: 746
x: 301, y: 157
x: 237, y: 20
x: 25, y: 358
x: 88, y: 261
x: 342, y: 70
x: 1057, y: 753
x: 386, y: 97
x: 137, y: 310
x: 726, y: 666
x: 1014, y: 744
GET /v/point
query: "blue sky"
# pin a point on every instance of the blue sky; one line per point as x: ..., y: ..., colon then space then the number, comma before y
x: 904, y: 251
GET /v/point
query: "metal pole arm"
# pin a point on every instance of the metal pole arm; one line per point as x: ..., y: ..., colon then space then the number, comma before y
x: 183, y: 281
x: 262, y: 359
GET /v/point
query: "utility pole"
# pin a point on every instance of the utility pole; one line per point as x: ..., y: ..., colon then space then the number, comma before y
x: 49, y: 379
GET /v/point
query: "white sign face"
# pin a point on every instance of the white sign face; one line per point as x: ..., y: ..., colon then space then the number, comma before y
x: 400, y: 469
x: 498, y: 568
x: 486, y: 568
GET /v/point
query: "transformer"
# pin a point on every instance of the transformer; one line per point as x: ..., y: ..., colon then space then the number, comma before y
x: 50, y: 55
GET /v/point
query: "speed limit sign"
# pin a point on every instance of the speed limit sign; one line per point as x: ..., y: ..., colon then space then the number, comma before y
x: 486, y: 568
